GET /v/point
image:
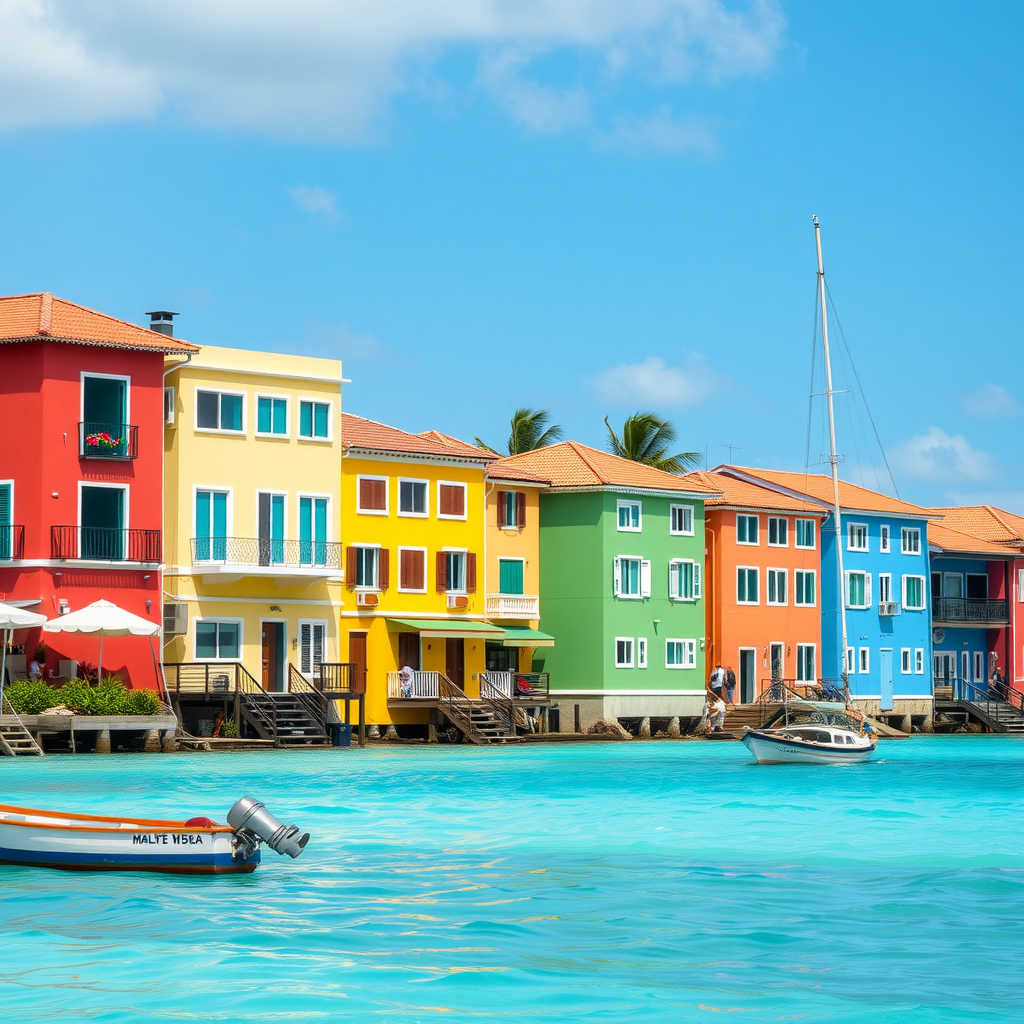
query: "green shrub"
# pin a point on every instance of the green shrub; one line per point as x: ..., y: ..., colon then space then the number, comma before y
x: 230, y: 730
x: 31, y: 696
x: 109, y: 698
x: 76, y: 694
x: 141, y: 702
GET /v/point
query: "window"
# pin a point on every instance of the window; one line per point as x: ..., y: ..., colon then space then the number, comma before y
x: 623, y: 652
x: 366, y: 566
x: 884, y: 587
x: 979, y: 667
x: 451, y: 501
x: 805, y: 667
x: 913, y: 593
x: 311, y: 647
x: 510, y: 575
x: 632, y: 577
x: 629, y: 515
x: 857, y: 536
x: 746, y: 529
x: 511, y: 510
x: 372, y: 495
x: 169, y: 407
x: 680, y: 654
x: 641, y: 652
x: 315, y: 421
x: 455, y: 570
x: 864, y: 660
x: 272, y: 416
x: 211, y: 538
x: 7, y: 547
x: 747, y: 585
x: 858, y: 590
x: 219, y: 410
x: 952, y: 584
x: 313, y: 516
x: 965, y: 666
x: 412, y: 570
x: 412, y: 498
x: 778, y: 532
x: 217, y: 640
x: 883, y: 537
x: 977, y: 586
x: 681, y: 520
x: 805, y: 533
x: 804, y: 584
x: 911, y: 541
x: 905, y: 661
x: 851, y: 660
x: 270, y: 527
x: 918, y: 661
x: 684, y: 580
x: 777, y: 586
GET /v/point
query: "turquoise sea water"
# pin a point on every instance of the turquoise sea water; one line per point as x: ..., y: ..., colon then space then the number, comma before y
x: 601, y: 882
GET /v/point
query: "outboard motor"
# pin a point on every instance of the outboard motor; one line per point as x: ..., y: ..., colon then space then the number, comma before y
x: 253, y: 822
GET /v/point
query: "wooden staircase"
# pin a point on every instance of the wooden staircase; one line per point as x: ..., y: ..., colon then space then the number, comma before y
x: 485, y: 721
x: 284, y: 718
x: 15, y: 739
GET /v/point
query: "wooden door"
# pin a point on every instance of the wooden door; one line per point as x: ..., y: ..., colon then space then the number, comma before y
x: 357, y: 655
x: 455, y: 661
x: 271, y: 656
x: 409, y: 650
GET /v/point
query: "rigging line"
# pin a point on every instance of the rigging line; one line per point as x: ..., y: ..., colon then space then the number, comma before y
x: 810, y: 399
x: 862, y: 395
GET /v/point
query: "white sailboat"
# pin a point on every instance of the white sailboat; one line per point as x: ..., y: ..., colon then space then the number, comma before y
x: 806, y: 743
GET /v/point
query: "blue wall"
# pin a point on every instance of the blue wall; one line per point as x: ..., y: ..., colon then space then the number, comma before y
x: 976, y: 638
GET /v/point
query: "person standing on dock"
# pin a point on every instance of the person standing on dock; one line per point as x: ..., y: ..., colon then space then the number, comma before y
x: 729, y: 689
x: 717, y: 680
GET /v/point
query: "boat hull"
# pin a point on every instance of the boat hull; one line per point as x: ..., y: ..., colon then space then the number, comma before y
x: 774, y: 749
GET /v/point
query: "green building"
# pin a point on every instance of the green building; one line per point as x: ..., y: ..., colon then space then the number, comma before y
x: 621, y: 571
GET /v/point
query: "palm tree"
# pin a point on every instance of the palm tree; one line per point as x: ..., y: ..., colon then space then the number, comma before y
x: 647, y: 439
x: 528, y: 432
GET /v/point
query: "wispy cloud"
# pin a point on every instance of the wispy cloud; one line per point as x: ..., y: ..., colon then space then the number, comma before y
x: 316, y: 201
x: 653, y: 383
x: 941, y: 458
x: 992, y: 400
x: 661, y: 130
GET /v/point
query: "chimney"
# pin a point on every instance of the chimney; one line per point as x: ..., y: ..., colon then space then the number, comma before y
x: 162, y: 322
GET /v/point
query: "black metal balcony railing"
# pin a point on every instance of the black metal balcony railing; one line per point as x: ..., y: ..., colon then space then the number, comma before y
x: 966, y: 609
x: 100, y: 544
x: 312, y: 554
x: 108, y: 440
x: 12, y: 542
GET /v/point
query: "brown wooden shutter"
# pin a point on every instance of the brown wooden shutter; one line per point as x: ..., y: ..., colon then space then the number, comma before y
x: 453, y: 500
x: 520, y: 509
x: 459, y: 501
x: 471, y: 572
x: 442, y: 571
x: 373, y: 495
x: 501, y: 508
x: 351, y: 568
x: 383, y: 568
x: 418, y: 571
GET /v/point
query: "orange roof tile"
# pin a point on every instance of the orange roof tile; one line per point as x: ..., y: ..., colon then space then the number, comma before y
x: 986, y: 522
x: 942, y: 536
x: 819, y: 486
x: 458, y: 447
x: 571, y: 464
x: 500, y: 470
x: 746, y: 495
x: 43, y: 317
x: 357, y: 432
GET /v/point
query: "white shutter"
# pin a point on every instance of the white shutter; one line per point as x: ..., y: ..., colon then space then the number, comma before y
x: 867, y: 589
x: 645, y: 579
x: 673, y: 580
x: 305, y: 648
x: 617, y: 577
x: 318, y: 647
x: 846, y: 588
x: 696, y: 579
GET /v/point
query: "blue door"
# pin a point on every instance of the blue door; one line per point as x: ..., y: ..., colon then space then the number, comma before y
x: 885, y: 677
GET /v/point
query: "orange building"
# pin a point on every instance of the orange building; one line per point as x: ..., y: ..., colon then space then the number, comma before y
x: 762, y: 579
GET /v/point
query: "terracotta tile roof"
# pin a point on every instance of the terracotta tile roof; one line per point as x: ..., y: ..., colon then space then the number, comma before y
x: 456, y: 446
x: 986, y: 522
x: 747, y: 495
x: 942, y: 536
x: 819, y: 487
x: 501, y: 470
x: 357, y: 432
x: 571, y: 464
x: 44, y: 317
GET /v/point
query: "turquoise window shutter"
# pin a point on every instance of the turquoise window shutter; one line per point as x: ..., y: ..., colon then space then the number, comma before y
x: 264, y: 415
x: 305, y: 531
x: 277, y: 528
x: 280, y: 416
x: 320, y: 530
x: 5, y: 521
x: 220, y: 525
x: 306, y: 419
x: 202, y: 529
x: 320, y: 424
x: 510, y: 576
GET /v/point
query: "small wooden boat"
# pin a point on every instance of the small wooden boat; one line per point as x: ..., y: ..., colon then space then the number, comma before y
x: 808, y: 744
x: 89, y: 842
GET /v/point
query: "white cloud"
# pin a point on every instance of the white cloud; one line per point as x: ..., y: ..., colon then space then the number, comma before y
x: 316, y: 201
x: 654, y: 383
x: 938, y: 457
x: 662, y: 130
x: 992, y: 400
x: 327, y: 70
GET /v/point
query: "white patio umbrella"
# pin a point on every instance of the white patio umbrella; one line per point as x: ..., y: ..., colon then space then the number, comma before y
x: 102, y: 619
x: 11, y: 618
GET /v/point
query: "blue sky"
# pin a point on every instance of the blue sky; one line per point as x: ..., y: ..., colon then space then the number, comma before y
x: 590, y: 207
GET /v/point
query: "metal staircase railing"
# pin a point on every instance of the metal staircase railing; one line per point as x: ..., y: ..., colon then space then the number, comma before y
x: 484, y: 721
x: 15, y: 739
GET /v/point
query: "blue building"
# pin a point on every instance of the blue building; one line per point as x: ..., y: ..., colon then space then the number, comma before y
x: 885, y: 589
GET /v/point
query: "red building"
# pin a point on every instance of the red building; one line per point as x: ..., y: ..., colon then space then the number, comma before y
x: 81, y: 472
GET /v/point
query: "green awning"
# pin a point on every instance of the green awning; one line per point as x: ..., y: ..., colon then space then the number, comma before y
x: 520, y: 636
x: 463, y: 629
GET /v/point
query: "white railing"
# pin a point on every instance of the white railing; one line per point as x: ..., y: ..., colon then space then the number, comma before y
x: 513, y: 606
x: 422, y: 685
x: 500, y: 682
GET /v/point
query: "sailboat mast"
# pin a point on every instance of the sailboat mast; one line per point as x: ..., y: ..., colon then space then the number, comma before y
x: 833, y: 458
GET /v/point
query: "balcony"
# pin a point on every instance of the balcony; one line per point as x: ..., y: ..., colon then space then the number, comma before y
x: 416, y: 685
x: 100, y: 544
x: 953, y: 611
x: 12, y: 542
x: 225, y: 558
x: 512, y: 606
x: 527, y: 687
x: 117, y: 441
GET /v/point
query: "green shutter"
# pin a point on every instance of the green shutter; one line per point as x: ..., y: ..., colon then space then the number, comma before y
x: 306, y: 419
x: 264, y: 415
x: 510, y: 576
x: 280, y: 416
x: 220, y: 525
x: 320, y: 411
x: 5, y: 521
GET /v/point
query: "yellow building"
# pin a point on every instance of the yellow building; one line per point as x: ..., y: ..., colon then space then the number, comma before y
x: 252, y: 509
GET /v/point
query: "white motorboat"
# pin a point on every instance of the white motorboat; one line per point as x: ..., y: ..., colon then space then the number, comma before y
x: 808, y: 744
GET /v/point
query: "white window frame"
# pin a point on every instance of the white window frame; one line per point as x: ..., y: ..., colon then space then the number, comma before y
x: 757, y: 530
x: 220, y: 430
x: 784, y: 603
x: 286, y: 436
x: 800, y: 662
x: 464, y: 554
x: 850, y: 573
x: 218, y: 619
x: 426, y: 504
x: 312, y: 623
x: 369, y: 587
x: 643, y: 577
x: 884, y: 588
x: 641, y: 652
x: 757, y: 576
x: 910, y: 533
x: 688, y: 649
x: 316, y: 400
x: 851, y: 661
x: 884, y: 538
x: 850, y: 527
x: 906, y: 661
x: 639, y: 506
x: 387, y: 495
x: 465, y: 499
x: 1020, y: 586
x: 108, y: 376
x: 965, y: 666
x: 785, y: 524
x: 924, y: 593
x: 632, y: 651
x: 229, y: 515
x: 687, y: 512
x: 798, y: 601
x: 169, y: 406
x: 330, y: 513
x: 814, y: 532
x: 409, y: 590
x: 919, y: 661
x: 979, y: 666
x: 864, y: 661
x: 676, y: 564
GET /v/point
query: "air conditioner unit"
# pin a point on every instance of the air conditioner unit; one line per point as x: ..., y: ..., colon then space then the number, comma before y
x: 458, y: 601
x: 367, y: 600
x: 175, y: 618
x: 889, y: 608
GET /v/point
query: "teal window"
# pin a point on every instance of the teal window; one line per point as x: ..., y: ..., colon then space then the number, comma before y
x: 510, y: 575
x: 746, y: 529
x: 315, y: 420
x: 313, y: 531
x: 367, y: 560
x: 216, y: 410
x: 778, y: 532
x: 632, y: 577
x: 680, y: 653
x: 217, y: 640
x: 272, y: 416
x: 857, y: 536
x: 271, y: 528
x: 913, y: 593
x: 804, y: 585
x: 805, y: 667
x: 776, y: 586
x: 681, y: 520
x: 683, y: 580
x: 747, y: 586
x: 629, y: 515
x: 5, y: 521
x: 858, y: 590
x: 805, y: 533
x: 211, y: 526
x: 455, y: 570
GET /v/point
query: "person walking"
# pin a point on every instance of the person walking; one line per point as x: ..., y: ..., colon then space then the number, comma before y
x: 729, y: 689
x: 717, y: 680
